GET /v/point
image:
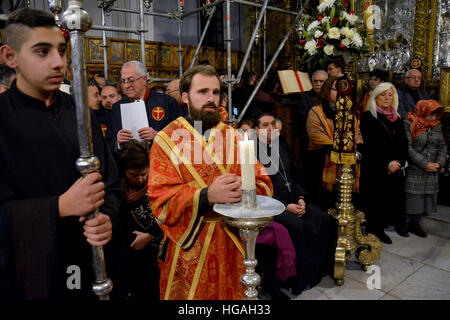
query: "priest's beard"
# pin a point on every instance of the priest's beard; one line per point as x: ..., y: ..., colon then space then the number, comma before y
x: 209, y: 119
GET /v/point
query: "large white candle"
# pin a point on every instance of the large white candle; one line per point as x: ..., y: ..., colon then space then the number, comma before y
x: 247, y: 157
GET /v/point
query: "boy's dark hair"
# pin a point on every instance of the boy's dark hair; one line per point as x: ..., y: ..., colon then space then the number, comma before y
x: 204, y: 63
x: 248, y: 122
x: 379, y: 74
x: 337, y: 64
x: 110, y: 84
x: 186, y: 78
x: 134, y: 156
x: 92, y: 82
x: 19, y: 20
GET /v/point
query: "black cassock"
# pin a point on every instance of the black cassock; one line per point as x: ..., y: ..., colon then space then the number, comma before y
x: 38, y: 150
x: 313, y: 233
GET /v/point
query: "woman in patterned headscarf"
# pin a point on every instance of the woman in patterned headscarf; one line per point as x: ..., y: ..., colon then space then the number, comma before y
x: 426, y: 151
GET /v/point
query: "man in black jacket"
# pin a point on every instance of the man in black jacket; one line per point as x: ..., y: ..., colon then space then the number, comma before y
x: 44, y: 234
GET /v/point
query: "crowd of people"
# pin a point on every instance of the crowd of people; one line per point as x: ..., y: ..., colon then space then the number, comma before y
x: 161, y: 236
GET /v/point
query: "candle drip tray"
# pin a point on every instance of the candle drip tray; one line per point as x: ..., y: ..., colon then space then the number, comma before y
x: 266, y: 207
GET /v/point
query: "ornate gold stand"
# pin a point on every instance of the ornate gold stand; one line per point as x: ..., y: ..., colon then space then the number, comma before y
x: 349, y: 229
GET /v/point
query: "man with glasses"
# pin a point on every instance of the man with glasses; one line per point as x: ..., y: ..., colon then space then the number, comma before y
x: 411, y: 93
x: 307, y: 100
x: 161, y: 108
x: 173, y: 90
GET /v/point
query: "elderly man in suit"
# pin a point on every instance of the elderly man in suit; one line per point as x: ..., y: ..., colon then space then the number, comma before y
x: 411, y: 93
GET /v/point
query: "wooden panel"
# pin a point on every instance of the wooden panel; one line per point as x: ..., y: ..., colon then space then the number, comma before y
x: 209, y: 54
x: 94, y: 50
x: 151, y: 52
x: 116, y: 50
x: 133, y: 51
x: 165, y: 55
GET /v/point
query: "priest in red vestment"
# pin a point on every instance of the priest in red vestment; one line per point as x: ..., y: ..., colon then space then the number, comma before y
x: 193, y: 165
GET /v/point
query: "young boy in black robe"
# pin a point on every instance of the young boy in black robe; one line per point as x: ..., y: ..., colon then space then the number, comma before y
x: 45, y: 237
x: 310, y: 228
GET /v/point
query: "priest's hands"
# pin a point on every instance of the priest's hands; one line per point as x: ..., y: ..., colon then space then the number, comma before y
x: 225, y: 189
x: 83, y: 197
x: 147, y: 133
x: 141, y: 241
x: 98, y: 230
x: 298, y: 209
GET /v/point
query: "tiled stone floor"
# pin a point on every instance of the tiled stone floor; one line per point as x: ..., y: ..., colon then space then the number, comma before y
x: 410, y: 268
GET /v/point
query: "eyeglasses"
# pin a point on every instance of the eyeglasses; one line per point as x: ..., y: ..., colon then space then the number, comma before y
x: 415, y: 78
x: 129, y: 80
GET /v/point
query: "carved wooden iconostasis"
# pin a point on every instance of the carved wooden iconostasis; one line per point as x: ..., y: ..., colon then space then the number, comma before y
x: 161, y: 58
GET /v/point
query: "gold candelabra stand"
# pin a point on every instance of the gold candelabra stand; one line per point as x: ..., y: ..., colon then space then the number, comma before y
x: 349, y: 229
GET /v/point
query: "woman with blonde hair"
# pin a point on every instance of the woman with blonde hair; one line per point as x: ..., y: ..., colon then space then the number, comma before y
x: 426, y: 151
x: 385, y: 152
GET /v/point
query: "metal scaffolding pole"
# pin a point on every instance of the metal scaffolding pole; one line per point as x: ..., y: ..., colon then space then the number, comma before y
x: 180, y: 48
x: 157, y: 14
x: 275, y: 56
x: 229, y: 80
x: 117, y: 29
x: 264, y: 42
x: 159, y: 79
x: 252, y: 39
x: 142, y: 32
x: 206, y: 6
x: 211, y: 14
x: 268, y: 8
x: 104, y: 46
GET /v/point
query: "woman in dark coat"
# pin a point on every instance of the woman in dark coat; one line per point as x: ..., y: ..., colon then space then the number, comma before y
x: 139, y: 234
x: 426, y: 151
x: 385, y: 153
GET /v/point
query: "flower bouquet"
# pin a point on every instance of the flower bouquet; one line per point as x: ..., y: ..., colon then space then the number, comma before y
x: 331, y: 30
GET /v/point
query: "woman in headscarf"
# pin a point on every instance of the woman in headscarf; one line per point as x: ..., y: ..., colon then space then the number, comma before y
x: 384, y: 157
x: 426, y: 151
x: 320, y: 172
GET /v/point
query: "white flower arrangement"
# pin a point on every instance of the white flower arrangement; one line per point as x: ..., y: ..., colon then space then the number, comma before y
x: 328, y: 49
x: 325, y: 5
x: 334, y: 33
x: 311, y: 46
x: 350, y: 18
x: 333, y: 30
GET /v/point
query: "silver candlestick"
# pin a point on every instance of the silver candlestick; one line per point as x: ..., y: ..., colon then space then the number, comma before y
x: 250, y: 215
x: 77, y: 21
